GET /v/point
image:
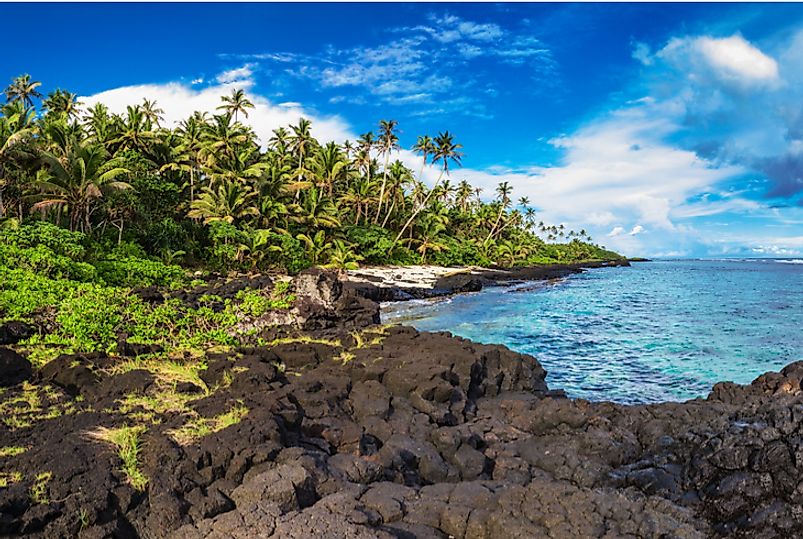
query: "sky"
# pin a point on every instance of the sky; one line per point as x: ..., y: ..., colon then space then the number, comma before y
x: 665, y: 130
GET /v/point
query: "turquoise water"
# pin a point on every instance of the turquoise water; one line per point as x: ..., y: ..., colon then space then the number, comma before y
x: 656, y: 331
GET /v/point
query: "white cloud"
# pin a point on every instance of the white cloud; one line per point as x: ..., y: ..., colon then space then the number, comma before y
x: 179, y: 101
x: 732, y: 60
x: 616, y: 231
x: 638, y: 229
x: 240, y: 75
x: 734, y: 56
x: 641, y: 52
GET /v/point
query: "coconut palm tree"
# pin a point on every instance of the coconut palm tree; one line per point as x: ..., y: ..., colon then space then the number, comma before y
x: 236, y: 103
x: 424, y: 146
x: 301, y: 143
x: 151, y: 112
x: 76, y: 180
x: 503, y: 191
x: 62, y: 103
x: 388, y: 141
x: 446, y: 151
x: 230, y: 202
x: 23, y: 89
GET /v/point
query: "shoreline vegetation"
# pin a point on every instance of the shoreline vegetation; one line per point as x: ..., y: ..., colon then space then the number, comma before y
x: 175, y: 362
x: 208, y: 194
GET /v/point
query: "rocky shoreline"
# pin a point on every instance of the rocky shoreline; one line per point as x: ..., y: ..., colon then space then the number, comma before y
x: 421, y: 282
x: 354, y: 429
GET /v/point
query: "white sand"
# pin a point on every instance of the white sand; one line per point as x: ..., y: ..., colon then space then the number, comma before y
x: 404, y: 276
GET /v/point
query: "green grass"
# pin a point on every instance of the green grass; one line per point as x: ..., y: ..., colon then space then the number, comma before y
x: 11, y: 451
x: 38, y: 492
x: 199, y: 427
x: 128, y: 441
x: 7, y: 478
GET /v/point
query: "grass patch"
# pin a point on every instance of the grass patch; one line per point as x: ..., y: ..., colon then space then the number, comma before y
x: 11, y: 451
x: 7, y: 478
x: 38, y: 492
x: 344, y: 357
x: 128, y: 441
x: 303, y: 339
x: 28, y: 404
x: 168, y: 372
x: 199, y: 427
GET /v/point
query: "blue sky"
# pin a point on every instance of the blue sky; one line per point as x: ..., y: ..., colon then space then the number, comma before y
x: 665, y: 130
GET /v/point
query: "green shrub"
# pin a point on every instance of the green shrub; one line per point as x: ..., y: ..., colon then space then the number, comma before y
x: 91, y: 317
x: 134, y: 272
x: 58, y: 240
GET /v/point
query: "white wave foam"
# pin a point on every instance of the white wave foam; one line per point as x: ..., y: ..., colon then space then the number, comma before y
x: 791, y: 261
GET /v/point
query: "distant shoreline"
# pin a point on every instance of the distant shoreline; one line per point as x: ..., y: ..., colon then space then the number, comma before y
x: 403, y: 283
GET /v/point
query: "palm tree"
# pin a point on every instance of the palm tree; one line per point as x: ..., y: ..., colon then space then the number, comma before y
x: 329, y: 165
x: 503, y: 190
x: 342, y: 256
x: 235, y: 103
x: 315, y: 245
x: 151, y: 111
x: 446, y: 151
x: 361, y: 195
x: 428, y: 236
x: 316, y: 211
x: 388, y: 141
x: 23, y: 89
x: 62, y: 103
x: 230, y: 202
x: 134, y: 131
x: 76, y: 180
x: 301, y: 143
x: 426, y: 147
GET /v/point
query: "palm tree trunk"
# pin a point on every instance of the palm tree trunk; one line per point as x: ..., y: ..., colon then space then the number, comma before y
x: 382, y: 190
x: 417, y: 211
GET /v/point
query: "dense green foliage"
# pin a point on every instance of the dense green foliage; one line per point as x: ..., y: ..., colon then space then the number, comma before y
x: 127, y: 192
x: 50, y: 275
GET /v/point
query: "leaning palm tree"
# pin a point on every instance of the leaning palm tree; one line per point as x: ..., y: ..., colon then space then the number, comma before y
x: 230, y: 202
x: 76, y: 180
x: 446, y: 151
x: 236, y: 103
x: 503, y: 190
x: 388, y: 141
x: 426, y: 147
x: 23, y: 89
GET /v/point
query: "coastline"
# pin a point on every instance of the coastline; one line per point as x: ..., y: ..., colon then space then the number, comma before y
x: 401, y: 283
x: 354, y: 429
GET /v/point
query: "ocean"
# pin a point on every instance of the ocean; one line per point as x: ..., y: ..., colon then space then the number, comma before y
x: 655, y: 331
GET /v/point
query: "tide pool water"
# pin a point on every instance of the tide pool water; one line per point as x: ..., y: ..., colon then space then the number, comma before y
x: 656, y: 331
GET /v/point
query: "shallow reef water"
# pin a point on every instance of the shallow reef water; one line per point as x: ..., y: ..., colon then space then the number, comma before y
x: 656, y: 331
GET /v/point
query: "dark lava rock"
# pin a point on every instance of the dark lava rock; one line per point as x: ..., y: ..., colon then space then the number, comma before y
x: 324, y: 303
x: 14, y: 332
x: 73, y: 373
x: 14, y: 368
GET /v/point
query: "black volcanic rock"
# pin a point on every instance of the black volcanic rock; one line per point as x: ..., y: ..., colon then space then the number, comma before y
x: 355, y: 430
x: 15, y: 331
x: 14, y: 369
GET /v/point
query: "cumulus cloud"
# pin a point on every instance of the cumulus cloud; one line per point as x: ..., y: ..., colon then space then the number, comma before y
x: 179, y: 101
x: 732, y: 60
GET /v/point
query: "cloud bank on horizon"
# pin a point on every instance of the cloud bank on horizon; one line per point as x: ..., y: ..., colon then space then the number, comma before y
x: 700, y: 153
